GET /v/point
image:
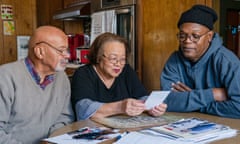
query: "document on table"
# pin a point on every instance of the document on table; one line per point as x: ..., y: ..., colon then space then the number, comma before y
x: 156, y: 98
x: 195, y: 130
x: 85, y: 135
x: 140, y: 138
x: 67, y: 139
x: 151, y: 136
x: 143, y: 120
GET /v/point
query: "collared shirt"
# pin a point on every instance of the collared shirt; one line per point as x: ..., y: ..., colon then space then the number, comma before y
x: 47, y: 80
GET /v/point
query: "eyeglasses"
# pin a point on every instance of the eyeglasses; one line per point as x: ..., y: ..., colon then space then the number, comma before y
x: 112, y: 59
x: 193, y: 37
x: 61, y: 52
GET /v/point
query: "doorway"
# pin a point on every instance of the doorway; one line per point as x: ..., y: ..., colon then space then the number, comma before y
x: 229, y: 23
x: 233, y: 31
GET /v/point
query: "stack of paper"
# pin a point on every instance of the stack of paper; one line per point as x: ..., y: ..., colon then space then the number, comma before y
x: 194, y: 129
x: 187, y: 131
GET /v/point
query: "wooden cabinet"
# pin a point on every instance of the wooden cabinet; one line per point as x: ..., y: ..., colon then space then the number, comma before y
x: 46, y: 10
x: 24, y: 19
x: 157, y: 28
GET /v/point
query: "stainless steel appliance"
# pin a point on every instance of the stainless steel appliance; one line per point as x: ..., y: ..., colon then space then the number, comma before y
x: 76, y: 10
x: 125, y: 21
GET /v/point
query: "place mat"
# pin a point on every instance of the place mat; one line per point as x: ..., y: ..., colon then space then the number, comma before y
x: 143, y: 120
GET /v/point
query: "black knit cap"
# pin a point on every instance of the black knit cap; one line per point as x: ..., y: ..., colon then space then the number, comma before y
x: 200, y: 14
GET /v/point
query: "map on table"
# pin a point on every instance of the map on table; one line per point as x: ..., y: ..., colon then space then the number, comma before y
x: 143, y: 120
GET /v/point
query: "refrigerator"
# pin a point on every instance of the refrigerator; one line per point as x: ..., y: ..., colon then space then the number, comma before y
x: 116, y: 16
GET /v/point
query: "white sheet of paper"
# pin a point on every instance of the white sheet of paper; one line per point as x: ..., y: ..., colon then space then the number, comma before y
x: 156, y: 98
x: 139, y: 138
x: 67, y: 139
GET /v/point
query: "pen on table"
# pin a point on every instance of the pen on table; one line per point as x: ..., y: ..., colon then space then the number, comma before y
x: 92, y: 135
x: 81, y: 130
x: 87, y: 136
x: 121, y: 135
x: 203, y: 126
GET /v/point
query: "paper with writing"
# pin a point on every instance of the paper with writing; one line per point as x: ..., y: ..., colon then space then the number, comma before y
x: 143, y: 120
x: 196, y: 130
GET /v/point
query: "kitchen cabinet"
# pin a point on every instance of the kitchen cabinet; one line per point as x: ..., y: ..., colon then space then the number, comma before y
x: 46, y: 10
x: 157, y: 28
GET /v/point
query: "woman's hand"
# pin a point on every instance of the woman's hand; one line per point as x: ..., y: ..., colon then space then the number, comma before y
x: 133, y: 107
x: 158, y: 110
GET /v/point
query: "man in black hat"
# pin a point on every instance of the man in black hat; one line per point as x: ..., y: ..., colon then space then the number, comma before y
x: 203, y: 75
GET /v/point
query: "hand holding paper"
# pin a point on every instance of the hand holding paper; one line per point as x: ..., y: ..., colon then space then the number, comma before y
x: 155, y: 98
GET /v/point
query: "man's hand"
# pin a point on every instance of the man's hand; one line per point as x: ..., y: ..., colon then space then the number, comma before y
x: 180, y: 87
x: 220, y: 94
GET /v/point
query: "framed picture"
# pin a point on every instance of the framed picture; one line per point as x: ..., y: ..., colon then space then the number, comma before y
x: 22, y: 46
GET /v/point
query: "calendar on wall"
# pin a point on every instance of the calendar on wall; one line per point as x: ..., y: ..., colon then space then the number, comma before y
x: 22, y: 46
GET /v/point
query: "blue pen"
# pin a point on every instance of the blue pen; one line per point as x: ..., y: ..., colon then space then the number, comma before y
x: 87, y: 136
x: 203, y: 126
x: 94, y: 134
x: 121, y: 135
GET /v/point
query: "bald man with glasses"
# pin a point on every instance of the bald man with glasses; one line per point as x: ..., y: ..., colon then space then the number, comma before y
x: 202, y: 75
x: 35, y: 91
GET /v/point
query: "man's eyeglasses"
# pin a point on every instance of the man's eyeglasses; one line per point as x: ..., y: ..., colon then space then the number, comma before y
x: 61, y: 52
x: 193, y: 37
x: 114, y: 60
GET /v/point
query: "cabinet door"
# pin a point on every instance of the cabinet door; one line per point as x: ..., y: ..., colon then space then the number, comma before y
x: 45, y: 11
x: 157, y: 28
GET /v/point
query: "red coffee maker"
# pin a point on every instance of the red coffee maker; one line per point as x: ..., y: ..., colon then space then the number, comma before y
x: 78, y: 48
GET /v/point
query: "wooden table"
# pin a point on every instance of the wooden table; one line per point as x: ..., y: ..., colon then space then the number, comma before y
x: 233, y: 123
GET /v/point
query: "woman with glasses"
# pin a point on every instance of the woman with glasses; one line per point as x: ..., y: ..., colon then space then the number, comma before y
x: 108, y: 85
x: 203, y: 75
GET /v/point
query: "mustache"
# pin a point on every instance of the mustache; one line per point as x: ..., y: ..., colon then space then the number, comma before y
x: 64, y: 61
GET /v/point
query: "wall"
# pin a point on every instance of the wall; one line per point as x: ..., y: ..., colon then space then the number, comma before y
x: 157, y: 28
x: 45, y: 10
x: 24, y: 18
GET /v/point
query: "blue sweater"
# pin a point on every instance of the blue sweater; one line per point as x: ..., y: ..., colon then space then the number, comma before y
x: 217, y: 68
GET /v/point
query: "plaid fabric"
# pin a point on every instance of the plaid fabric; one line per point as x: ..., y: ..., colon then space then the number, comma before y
x: 47, y: 80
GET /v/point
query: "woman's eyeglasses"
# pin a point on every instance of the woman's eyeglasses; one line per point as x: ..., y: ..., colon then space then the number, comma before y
x: 114, y: 59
